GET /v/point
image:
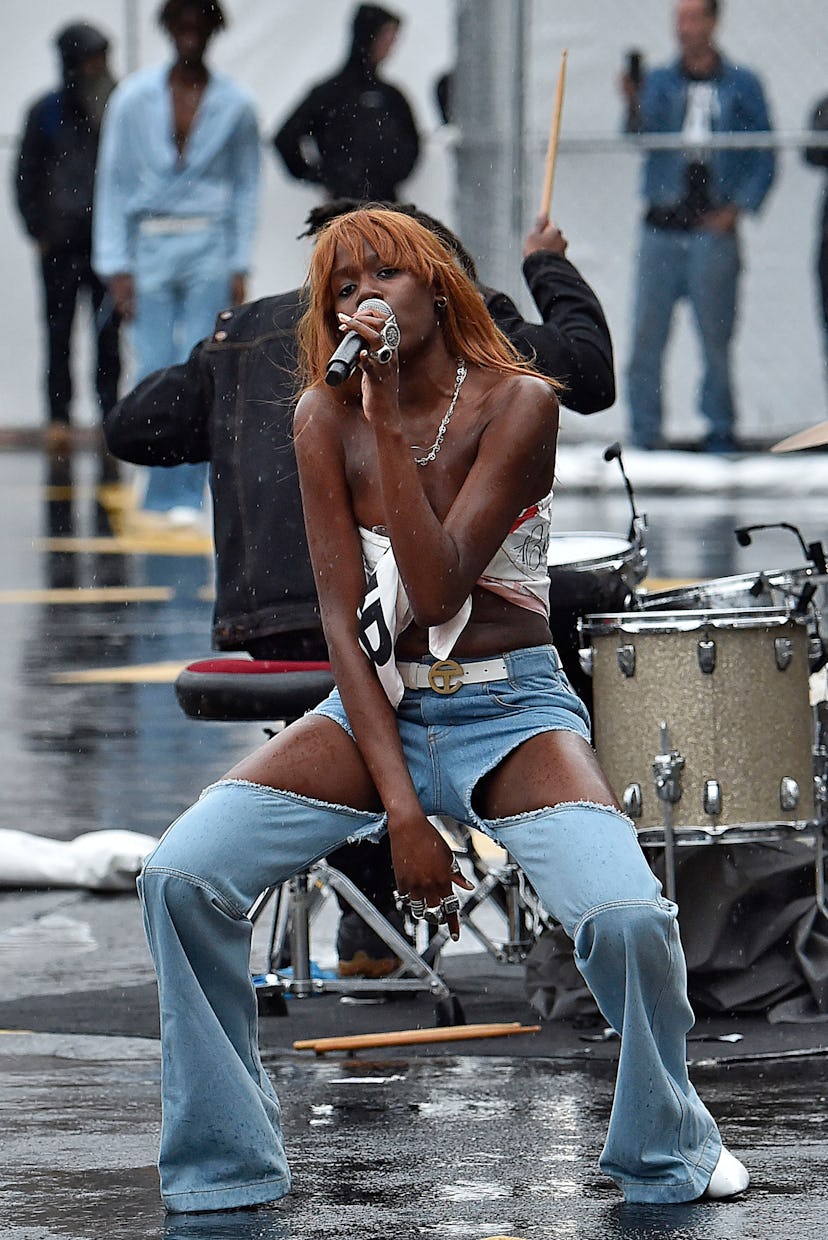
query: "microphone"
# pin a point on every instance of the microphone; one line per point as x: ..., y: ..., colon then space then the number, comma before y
x: 343, y: 360
x: 812, y: 551
x: 613, y: 453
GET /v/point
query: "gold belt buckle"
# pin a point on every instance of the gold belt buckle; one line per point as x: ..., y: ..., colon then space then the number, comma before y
x: 440, y: 676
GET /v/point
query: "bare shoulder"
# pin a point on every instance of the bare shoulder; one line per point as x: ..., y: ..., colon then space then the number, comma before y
x: 524, y: 396
x: 314, y: 408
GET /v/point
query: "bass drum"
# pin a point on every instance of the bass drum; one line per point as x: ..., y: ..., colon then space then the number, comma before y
x: 801, y: 590
x: 588, y: 572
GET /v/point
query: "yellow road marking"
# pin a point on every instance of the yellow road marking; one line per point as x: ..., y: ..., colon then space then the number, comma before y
x: 135, y: 674
x: 92, y: 594
x: 167, y: 544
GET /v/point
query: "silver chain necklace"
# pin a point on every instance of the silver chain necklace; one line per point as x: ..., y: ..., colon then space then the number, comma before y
x: 441, y: 430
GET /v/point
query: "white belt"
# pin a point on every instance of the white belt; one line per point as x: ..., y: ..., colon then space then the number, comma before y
x: 448, y: 675
x: 173, y: 225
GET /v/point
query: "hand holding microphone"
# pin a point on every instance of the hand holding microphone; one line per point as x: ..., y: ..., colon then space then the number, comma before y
x: 344, y: 359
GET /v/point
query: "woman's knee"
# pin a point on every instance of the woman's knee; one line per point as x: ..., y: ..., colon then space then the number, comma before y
x: 628, y: 929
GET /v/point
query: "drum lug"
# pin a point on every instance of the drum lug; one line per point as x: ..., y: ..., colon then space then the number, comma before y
x: 706, y: 654
x: 821, y: 795
x: 712, y: 798
x: 632, y: 801
x: 667, y: 769
x: 586, y: 658
x: 788, y: 793
x: 783, y: 652
x: 626, y: 659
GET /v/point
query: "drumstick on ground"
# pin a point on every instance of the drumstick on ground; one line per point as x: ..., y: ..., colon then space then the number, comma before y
x: 554, y: 135
x: 409, y: 1037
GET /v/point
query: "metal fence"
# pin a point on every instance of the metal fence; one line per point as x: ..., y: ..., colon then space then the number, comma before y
x: 508, y: 61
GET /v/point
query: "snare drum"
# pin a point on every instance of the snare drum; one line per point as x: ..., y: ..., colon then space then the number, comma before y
x: 781, y: 588
x: 588, y: 572
x: 732, y: 687
x: 593, y: 572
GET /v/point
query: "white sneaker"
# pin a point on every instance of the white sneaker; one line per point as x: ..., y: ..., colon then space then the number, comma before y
x: 181, y: 516
x: 729, y: 1178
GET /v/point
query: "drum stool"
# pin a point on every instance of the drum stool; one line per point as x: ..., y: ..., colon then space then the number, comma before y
x: 244, y: 689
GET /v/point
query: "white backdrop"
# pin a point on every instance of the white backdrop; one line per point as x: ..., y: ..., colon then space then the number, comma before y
x: 276, y: 48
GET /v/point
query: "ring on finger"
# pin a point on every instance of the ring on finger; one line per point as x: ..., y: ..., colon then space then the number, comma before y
x: 390, y: 335
x: 417, y: 908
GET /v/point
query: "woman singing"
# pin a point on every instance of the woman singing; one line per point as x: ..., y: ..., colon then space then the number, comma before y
x: 426, y: 481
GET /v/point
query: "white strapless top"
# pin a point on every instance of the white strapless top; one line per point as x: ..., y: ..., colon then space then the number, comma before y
x: 518, y: 572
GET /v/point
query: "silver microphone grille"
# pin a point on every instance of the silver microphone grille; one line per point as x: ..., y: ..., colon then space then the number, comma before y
x: 376, y: 303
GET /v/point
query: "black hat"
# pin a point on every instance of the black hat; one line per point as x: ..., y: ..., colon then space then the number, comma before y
x: 76, y: 42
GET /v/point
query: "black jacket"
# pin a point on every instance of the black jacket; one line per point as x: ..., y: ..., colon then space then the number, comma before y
x: 362, y: 129
x: 232, y: 402
x: 818, y: 155
x: 55, y: 172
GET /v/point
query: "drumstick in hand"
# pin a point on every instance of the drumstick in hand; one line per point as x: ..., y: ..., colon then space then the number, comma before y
x: 554, y: 135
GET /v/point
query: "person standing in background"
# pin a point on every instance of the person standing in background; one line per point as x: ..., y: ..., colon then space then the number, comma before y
x: 175, y: 212
x: 818, y: 157
x: 354, y: 134
x: 695, y: 193
x: 54, y: 183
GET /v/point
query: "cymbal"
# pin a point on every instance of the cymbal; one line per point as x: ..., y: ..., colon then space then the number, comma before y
x: 812, y: 437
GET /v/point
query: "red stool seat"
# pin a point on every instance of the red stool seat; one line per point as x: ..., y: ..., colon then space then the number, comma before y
x: 238, y: 688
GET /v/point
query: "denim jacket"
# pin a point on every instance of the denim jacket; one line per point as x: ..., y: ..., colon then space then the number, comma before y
x: 741, y: 177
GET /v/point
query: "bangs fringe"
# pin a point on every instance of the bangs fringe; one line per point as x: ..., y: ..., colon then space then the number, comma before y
x: 402, y: 242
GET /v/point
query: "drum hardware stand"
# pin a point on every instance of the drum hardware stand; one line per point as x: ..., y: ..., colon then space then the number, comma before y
x: 295, y: 901
x: 821, y: 800
x: 667, y: 768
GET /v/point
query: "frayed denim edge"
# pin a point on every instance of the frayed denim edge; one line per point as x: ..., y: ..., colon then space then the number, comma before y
x: 376, y: 816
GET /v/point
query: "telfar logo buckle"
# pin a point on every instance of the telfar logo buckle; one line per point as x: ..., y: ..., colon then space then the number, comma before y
x: 445, y: 677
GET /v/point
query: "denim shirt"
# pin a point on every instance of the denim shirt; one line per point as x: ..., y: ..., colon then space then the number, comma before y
x: 741, y: 177
x: 140, y: 172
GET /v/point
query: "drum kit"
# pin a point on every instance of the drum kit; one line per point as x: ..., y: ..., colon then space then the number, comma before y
x: 709, y: 717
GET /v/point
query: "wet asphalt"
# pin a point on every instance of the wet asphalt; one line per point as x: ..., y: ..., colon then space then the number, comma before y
x: 384, y: 1145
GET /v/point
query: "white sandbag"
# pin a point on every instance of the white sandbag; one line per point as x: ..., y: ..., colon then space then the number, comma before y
x: 98, y: 860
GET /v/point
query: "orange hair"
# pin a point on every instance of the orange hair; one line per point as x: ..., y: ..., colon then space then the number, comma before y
x: 400, y: 241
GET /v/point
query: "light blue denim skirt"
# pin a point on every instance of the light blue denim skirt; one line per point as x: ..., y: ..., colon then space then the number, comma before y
x: 451, y: 741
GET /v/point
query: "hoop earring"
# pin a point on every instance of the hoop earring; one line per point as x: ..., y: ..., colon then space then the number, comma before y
x: 440, y: 304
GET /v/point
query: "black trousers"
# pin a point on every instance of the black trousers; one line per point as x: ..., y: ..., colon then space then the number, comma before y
x: 67, y: 273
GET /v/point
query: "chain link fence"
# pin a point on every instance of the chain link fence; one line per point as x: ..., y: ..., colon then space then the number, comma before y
x: 509, y: 58
x: 484, y: 173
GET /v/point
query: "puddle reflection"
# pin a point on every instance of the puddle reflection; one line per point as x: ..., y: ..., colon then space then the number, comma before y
x: 259, y: 1224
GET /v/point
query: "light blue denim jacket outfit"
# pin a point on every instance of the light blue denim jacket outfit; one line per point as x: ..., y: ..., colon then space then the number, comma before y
x: 696, y: 263
x: 182, y: 225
